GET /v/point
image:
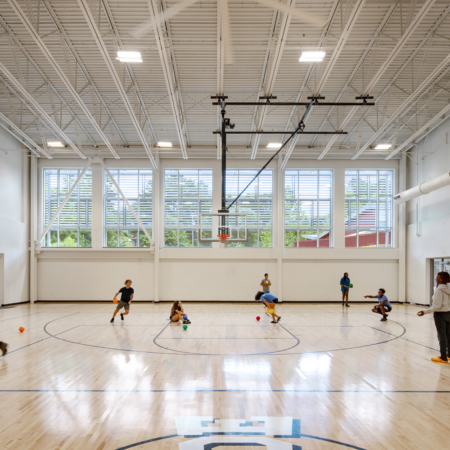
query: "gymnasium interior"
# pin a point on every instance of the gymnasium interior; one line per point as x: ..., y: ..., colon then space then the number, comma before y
x: 224, y: 223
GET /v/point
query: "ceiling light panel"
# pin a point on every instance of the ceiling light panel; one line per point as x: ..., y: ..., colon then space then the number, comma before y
x: 312, y: 56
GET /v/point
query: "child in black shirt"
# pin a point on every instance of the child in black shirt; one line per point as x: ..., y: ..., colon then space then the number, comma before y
x: 125, y: 300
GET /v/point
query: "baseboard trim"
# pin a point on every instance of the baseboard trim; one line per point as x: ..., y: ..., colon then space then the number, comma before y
x: 18, y: 303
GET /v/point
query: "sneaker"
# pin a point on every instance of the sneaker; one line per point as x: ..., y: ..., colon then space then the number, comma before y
x: 438, y: 360
x: 384, y: 319
x: 273, y: 321
x: 112, y: 320
x: 347, y: 305
x: 279, y: 318
x: 4, y: 348
x: 121, y: 316
x: 186, y: 322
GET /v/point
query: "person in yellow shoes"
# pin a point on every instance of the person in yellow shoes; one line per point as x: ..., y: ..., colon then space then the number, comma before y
x: 441, y: 314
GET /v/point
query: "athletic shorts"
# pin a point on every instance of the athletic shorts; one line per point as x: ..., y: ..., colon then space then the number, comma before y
x: 122, y: 304
x: 386, y: 308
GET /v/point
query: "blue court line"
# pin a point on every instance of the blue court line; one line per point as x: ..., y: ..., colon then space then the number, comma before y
x: 333, y: 441
x: 37, y: 342
x: 422, y: 345
x: 148, y: 441
x: 233, y: 391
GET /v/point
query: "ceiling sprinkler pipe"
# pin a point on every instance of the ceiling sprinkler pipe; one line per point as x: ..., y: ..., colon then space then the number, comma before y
x: 424, y: 188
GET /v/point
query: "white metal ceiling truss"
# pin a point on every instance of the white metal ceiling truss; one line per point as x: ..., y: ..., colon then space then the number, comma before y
x: 61, y: 79
x: 66, y: 79
x: 110, y: 64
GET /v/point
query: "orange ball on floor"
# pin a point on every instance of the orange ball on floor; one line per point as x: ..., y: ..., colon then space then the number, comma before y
x: 21, y: 329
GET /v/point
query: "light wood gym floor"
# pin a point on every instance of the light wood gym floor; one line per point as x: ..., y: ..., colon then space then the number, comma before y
x: 326, y: 377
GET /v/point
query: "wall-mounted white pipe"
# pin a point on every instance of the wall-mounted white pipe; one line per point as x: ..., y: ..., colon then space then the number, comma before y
x: 424, y: 188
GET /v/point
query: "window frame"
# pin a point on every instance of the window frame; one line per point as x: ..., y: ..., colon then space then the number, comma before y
x: 377, y: 228
x: 178, y: 227
x: 315, y: 199
x: 119, y: 198
x: 258, y: 200
x: 58, y: 227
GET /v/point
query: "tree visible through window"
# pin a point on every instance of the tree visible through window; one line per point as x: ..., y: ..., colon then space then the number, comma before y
x: 307, y: 208
x: 121, y: 228
x: 256, y: 202
x: 187, y: 193
x: 368, y: 208
x: 72, y: 227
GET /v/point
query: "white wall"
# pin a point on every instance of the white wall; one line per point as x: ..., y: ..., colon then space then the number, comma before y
x: 14, y: 166
x: 220, y: 274
x: 429, y: 159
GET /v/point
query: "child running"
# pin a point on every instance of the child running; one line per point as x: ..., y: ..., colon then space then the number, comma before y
x: 384, y: 305
x: 177, y: 313
x: 265, y: 283
x: 269, y: 300
x: 3, y: 348
x: 125, y: 300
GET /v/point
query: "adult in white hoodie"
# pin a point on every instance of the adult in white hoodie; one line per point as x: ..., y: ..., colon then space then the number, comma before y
x: 441, y: 313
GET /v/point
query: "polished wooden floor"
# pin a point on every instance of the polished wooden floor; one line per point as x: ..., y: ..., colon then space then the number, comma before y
x: 326, y: 377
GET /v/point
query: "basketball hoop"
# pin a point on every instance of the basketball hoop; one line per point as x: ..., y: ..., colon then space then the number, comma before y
x: 223, y: 237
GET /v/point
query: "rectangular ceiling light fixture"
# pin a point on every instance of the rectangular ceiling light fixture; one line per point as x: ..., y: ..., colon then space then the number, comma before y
x: 55, y: 144
x: 273, y: 145
x: 383, y: 146
x: 164, y: 144
x: 312, y: 56
x: 129, y: 57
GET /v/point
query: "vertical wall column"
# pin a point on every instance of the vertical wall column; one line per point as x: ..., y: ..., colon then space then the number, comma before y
x: 280, y: 228
x: 339, y: 208
x: 217, y: 194
x: 33, y: 228
x: 157, y: 235
x: 401, y: 214
x: 97, y: 206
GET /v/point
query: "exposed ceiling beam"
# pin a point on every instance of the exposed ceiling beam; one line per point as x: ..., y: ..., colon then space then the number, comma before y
x: 220, y: 76
x: 274, y: 65
x: 399, y: 73
x: 169, y: 76
x: 81, y: 65
x: 12, y: 79
x: 105, y: 54
x: 115, y: 31
x: 411, y: 139
x: 44, y: 78
x: 332, y: 61
x: 356, y: 69
x: 428, y: 4
x: 269, y: 47
x: 40, y: 43
x: 26, y: 140
x: 421, y: 90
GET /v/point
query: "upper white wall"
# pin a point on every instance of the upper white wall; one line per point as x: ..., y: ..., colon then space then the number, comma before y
x: 431, y: 239
x: 14, y: 206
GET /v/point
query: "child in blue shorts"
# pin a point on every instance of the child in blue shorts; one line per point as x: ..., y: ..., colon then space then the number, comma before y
x: 269, y: 300
x: 384, y: 305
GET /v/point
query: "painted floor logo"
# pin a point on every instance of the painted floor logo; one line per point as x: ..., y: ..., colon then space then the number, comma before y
x: 207, y: 433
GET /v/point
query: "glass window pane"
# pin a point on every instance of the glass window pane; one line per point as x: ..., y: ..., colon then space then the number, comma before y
x: 71, y: 228
x: 256, y: 202
x: 368, y: 208
x: 308, y: 207
x: 187, y: 193
x: 122, y: 227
